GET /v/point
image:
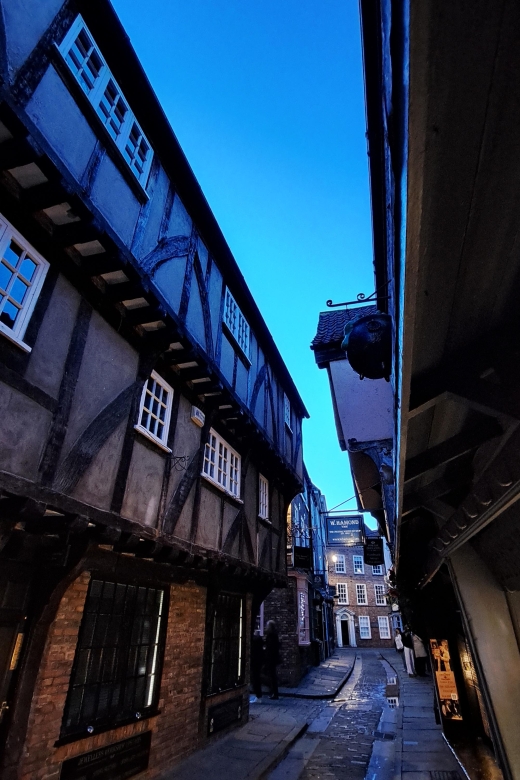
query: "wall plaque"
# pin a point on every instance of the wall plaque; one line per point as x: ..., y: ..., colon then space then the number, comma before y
x: 112, y: 762
x: 345, y: 530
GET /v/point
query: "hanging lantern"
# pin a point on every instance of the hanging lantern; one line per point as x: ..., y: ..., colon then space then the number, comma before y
x: 368, y: 343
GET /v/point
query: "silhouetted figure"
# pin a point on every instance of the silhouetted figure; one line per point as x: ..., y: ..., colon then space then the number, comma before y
x: 272, y: 657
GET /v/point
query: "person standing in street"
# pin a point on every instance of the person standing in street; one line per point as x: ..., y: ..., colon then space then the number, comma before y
x: 407, y: 638
x: 398, y: 641
x: 420, y: 655
x: 257, y: 662
x: 272, y: 657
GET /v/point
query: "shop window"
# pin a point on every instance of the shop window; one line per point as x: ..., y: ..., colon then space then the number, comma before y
x: 379, y: 591
x: 116, y: 672
x: 384, y: 627
x: 226, y: 663
x: 22, y: 273
x: 222, y: 464
x: 155, y: 410
x: 361, y: 594
x: 341, y: 590
x: 364, y: 627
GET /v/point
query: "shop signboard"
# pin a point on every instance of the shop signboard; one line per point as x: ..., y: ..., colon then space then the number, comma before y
x: 345, y: 530
x: 445, y: 680
x: 302, y: 557
x: 373, y: 551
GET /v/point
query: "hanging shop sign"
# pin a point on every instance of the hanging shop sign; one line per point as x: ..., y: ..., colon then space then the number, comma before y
x: 373, y: 551
x: 345, y: 530
x: 302, y: 557
x: 449, y: 702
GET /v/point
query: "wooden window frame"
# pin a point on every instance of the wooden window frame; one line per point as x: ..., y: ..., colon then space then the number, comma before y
x: 380, y: 595
x: 378, y: 571
x: 237, y: 325
x: 340, y: 565
x: 95, y: 97
x: 384, y: 619
x: 263, y: 497
x: 361, y: 588
x: 223, y: 468
x: 34, y: 285
x: 161, y: 441
x: 361, y: 564
x: 366, y: 626
x: 287, y: 412
x: 339, y: 587
x: 217, y: 682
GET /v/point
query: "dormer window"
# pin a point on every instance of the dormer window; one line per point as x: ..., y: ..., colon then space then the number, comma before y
x: 93, y: 75
x: 237, y: 324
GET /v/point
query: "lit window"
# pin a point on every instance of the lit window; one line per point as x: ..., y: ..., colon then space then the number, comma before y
x: 359, y: 566
x: 237, y: 324
x: 22, y: 272
x: 379, y: 591
x: 226, y: 667
x: 340, y: 564
x: 287, y: 411
x: 364, y: 627
x: 377, y: 570
x: 222, y: 464
x: 263, y: 503
x: 115, y: 676
x: 155, y: 410
x: 384, y: 627
x: 361, y: 594
x: 341, y: 589
x: 92, y: 73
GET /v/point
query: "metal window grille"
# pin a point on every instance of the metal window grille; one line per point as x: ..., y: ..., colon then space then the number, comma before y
x: 221, y: 464
x: 364, y: 627
x: 237, y: 324
x: 379, y: 591
x: 342, y: 593
x: 384, y: 627
x: 155, y: 409
x: 263, y: 502
x: 340, y: 565
x: 115, y: 676
x: 227, y: 639
x: 359, y: 566
x: 361, y: 594
x: 377, y: 570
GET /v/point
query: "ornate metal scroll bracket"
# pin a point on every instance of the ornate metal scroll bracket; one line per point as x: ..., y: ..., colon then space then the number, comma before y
x: 361, y: 298
x: 181, y: 462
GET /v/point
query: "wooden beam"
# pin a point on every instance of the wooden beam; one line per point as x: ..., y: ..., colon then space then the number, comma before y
x: 452, y: 448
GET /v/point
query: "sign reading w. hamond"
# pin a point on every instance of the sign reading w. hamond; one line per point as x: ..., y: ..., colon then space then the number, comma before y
x: 345, y: 530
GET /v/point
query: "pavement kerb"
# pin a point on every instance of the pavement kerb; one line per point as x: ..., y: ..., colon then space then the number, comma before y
x: 276, y: 756
x: 331, y: 695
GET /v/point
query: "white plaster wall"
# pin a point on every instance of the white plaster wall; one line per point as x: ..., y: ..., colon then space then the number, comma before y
x: 492, y: 629
x: 364, y: 407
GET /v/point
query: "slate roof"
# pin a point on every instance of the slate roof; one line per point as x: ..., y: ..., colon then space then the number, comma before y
x: 331, y: 325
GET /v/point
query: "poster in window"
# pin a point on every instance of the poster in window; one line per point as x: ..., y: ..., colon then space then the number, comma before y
x: 445, y: 680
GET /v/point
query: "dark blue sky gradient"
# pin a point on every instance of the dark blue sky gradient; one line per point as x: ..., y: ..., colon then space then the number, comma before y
x: 266, y: 99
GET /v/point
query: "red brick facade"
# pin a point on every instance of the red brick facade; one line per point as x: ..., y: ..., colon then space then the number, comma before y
x: 350, y: 579
x: 178, y: 729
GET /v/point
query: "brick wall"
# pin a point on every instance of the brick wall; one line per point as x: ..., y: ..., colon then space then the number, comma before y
x: 176, y: 731
x: 281, y: 606
x: 351, y: 580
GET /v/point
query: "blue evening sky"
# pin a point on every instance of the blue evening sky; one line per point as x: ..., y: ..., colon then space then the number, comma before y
x: 266, y: 99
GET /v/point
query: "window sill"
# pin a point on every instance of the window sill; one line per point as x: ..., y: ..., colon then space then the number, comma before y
x: 152, y: 438
x: 14, y: 339
x: 265, y: 520
x: 219, y: 487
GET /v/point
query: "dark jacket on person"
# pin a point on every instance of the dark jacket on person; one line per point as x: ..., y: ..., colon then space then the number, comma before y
x: 272, y: 650
x: 407, y: 638
x: 257, y: 652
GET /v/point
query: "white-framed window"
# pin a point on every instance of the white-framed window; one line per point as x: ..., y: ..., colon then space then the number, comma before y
x: 377, y: 570
x: 222, y: 464
x: 359, y: 566
x: 342, y: 591
x: 361, y: 594
x: 287, y: 411
x: 22, y: 273
x: 303, y: 613
x: 384, y: 627
x: 237, y: 324
x: 263, y: 497
x: 364, y: 627
x: 379, y: 591
x: 340, y: 564
x: 393, y: 702
x: 155, y: 410
x: 88, y: 66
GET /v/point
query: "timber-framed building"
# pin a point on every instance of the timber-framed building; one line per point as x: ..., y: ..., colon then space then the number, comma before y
x: 150, y: 435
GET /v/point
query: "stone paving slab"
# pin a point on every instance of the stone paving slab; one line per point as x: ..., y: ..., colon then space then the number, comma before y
x: 326, y: 680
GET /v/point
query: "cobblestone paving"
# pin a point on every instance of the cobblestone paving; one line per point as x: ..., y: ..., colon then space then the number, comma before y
x: 344, y: 749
